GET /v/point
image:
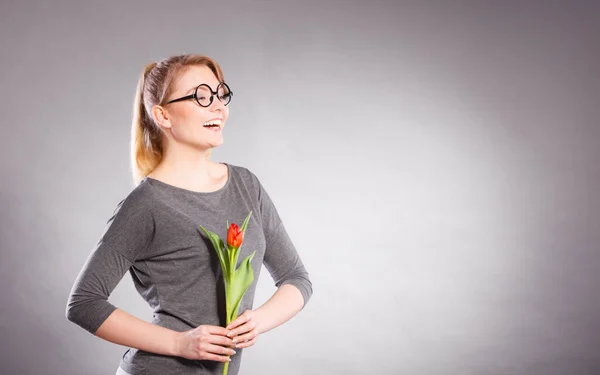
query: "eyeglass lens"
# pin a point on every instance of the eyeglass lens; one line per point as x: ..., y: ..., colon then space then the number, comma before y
x: 204, y: 95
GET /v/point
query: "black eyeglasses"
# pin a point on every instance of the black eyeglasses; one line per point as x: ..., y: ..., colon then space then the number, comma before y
x: 204, y: 95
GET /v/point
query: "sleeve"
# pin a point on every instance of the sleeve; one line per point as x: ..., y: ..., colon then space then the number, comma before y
x: 127, y: 233
x: 281, y: 257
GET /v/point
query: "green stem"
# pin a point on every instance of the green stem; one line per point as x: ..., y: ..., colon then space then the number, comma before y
x: 227, y: 307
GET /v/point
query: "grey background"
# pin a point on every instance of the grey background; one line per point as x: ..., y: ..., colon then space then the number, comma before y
x: 436, y: 164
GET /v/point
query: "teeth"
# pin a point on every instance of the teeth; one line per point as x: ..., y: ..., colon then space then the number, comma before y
x: 212, y: 122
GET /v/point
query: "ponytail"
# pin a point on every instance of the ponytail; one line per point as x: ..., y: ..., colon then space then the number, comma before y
x: 146, y: 146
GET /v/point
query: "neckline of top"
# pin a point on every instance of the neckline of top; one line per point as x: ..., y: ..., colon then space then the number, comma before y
x: 177, y: 188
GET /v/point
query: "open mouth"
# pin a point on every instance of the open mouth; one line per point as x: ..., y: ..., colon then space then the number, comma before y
x: 213, y: 125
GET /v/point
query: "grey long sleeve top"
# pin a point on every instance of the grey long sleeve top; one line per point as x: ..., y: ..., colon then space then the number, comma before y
x: 155, y: 234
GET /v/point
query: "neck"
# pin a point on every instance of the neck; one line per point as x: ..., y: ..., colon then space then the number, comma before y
x: 185, y: 166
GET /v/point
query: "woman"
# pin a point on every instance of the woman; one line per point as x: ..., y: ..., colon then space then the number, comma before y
x: 179, y: 113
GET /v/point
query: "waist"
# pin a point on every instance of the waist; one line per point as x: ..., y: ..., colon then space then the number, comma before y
x: 183, y: 322
x: 137, y: 362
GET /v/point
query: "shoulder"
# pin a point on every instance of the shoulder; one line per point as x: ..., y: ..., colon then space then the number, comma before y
x: 245, y: 175
x: 141, y: 194
x: 250, y: 182
x: 137, y: 202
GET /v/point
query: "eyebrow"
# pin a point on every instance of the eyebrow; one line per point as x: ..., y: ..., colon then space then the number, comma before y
x: 208, y: 84
x: 191, y: 91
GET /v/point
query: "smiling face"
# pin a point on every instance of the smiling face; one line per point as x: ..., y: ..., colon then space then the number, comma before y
x: 185, y: 121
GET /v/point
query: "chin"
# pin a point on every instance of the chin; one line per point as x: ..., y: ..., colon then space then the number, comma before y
x: 212, y: 145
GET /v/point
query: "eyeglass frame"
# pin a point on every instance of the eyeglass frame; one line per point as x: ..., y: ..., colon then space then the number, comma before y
x: 212, y: 95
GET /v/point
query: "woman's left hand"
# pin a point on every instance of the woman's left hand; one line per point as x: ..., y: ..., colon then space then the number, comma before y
x: 244, y: 330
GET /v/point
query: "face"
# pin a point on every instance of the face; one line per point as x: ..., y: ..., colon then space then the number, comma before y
x: 185, y: 121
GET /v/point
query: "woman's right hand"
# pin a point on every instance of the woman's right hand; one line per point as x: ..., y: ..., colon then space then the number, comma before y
x: 205, y: 342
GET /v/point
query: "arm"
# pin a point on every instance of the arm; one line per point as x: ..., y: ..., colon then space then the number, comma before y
x: 205, y: 342
x: 285, y: 303
x: 288, y: 272
x: 89, y: 308
x: 127, y: 330
x: 281, y: 307
x: 128, y: 234
x: 282, y: 260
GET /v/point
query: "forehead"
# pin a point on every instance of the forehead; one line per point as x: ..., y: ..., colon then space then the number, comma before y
x: 195, y: 75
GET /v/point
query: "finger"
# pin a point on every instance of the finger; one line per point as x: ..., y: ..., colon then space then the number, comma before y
x: 239, y: 321
x: 216, y: 330
x: 218, y: 358
x: 246, y: 337
x: 219, y: 350
x: 249, y: 326
x: 236, y: 323
x: 221, y: 340
x: 246, y: 344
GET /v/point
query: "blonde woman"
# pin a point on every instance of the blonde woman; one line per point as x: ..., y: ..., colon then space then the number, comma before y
x: 180, y: 109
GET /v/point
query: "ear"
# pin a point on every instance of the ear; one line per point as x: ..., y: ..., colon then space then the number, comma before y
x: 161, y: 116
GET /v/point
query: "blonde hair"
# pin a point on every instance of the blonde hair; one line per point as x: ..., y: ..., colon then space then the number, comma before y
x: 154, y: 86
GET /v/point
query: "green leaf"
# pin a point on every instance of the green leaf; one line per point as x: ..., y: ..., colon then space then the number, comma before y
x: 243, y: 278
x: 219, y: 248
x: 225, y: 263
x: 233, y: 254
x: 245, y: 224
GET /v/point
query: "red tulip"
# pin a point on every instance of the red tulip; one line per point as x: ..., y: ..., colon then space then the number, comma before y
x: 234, y: 236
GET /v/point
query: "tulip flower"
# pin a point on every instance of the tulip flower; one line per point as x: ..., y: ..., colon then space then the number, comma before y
x: 237, y: 281
x: 234, y: 236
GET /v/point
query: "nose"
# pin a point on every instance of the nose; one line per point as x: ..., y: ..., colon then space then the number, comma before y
x: 217, y: 104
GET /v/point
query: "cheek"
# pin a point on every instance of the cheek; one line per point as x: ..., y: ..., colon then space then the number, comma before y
x: 191, y: 117
x: 185, y: 123
x: 225, y: 114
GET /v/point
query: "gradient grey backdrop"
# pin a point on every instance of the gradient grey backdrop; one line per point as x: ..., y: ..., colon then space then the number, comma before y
x: 436, y: 164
